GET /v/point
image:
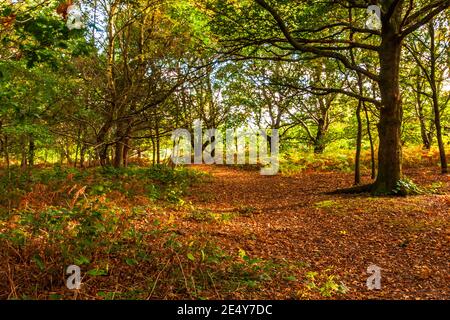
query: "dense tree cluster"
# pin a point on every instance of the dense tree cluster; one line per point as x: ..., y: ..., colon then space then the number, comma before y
x: 116, y: 88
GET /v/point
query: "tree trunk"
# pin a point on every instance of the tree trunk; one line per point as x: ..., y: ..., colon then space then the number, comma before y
x: 319, y: 143
x: 102, y: 149
x: 436, y: 111
x: 23, y: 162
x: 6, y: 151
x: 61, y: 156
x: 31, y: 152
x: 82, y: 154
x: 357, y: 179
x: 153, y: 151
x: 426, y: 141
x: 77, y: 149
x: 158, y: 143
x: 437, y: 120
x: 358, y: 145
x: 67, y: 153
x: 103, y: 155
x: 158, y: 150
x: 389, y: 127
x: 126, y: 149
x: 372, y: 149
x: 118, y: 154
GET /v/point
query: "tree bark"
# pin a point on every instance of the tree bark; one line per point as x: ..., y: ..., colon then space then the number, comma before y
x: 389, y: 127
x: 158, y: 143
x: 23, y: 162
x: 319, y: 143
x: 158, y: 150
x: 372, y: 149
x: 426, y: 141
x: 153, y: 151
x: 126, y: 149
x: 103, y: 147
x: 358, y: 145
x: 357, y: 179
x: 118, y: 154
x: 436, y: 111
x: 31, y: 152
x: 6, y: 151
x: 82, y: 154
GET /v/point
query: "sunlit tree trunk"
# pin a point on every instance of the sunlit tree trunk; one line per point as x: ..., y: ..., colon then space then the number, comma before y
x: 436, y: 110
x: 358, y: 145
x: 372, y: 148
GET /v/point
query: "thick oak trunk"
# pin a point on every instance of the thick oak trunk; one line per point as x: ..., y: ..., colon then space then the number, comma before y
x: 389, y: 127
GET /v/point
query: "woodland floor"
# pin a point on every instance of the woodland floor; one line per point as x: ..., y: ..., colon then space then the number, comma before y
x: 292, y: 218
x: 312, y: 245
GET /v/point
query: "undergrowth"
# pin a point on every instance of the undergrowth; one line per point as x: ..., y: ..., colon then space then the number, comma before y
x: 117, y: 226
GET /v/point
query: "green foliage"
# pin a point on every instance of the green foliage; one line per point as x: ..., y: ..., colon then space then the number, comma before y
x: 436, y: 188
x: 327, y: 204
x: 151, y: 68
x: 331, y: 160
x: 42, y: 36
x: 406, y: 187
x: 202, y: 216
x: 161, y: 182
x: 324, y: 283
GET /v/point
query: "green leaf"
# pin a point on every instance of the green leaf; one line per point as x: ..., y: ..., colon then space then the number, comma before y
x: 38, y: 260
x: 203, y: 255
x: 242, y: 253
x: 82, y: 260
x: 131, y: 261
x: 190, y: 256
x: 55, y: 296
x: 7, y: 12
x: 97, y: 272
